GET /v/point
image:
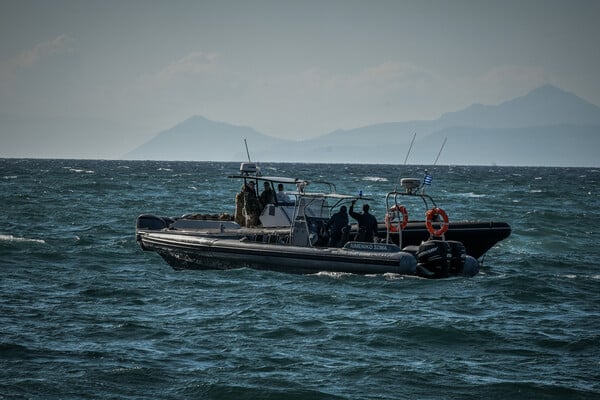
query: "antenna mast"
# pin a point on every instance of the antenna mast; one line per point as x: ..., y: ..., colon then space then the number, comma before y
x: 440, y: 152
x: 410, y: 148
x: 407, y: 154
x: 247, y: 152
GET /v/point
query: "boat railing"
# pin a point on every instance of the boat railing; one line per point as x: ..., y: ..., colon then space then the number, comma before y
x: 394, y: 196
x: 393, y: 205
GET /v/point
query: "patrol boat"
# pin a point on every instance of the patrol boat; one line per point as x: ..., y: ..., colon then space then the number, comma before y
x: 291, y: 235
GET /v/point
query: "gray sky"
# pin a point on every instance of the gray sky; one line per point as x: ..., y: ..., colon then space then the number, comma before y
x: 97, y: 78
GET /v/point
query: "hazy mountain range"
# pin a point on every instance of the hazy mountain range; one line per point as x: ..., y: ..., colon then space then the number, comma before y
x: 548, y: 126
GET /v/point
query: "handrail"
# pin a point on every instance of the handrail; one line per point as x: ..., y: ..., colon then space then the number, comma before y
x: 396, y: 194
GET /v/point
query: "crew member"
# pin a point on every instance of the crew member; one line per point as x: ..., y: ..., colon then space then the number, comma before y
x: 336, y: 223
x: 367, y: 224
x: 251, y: 205
x: 282, y: 196
x: 267, y: 196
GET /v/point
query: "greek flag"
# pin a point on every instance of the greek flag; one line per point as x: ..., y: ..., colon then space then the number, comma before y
x: 427, y: 179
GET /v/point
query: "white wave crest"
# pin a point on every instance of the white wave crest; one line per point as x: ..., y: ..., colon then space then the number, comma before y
x: 471, y: 195
x: 80, y: 171
x: 335, y: 275
x: 374, y: 179
x: 11, y: 238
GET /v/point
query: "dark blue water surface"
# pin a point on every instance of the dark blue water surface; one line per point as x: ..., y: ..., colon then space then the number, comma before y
x: 84, y: 313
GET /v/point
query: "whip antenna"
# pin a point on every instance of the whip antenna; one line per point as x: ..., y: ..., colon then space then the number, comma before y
x: 409, y: 148
x: 247, y: 152
x: 440, y: 152
x: 407, y: 154
x: 428, y: 178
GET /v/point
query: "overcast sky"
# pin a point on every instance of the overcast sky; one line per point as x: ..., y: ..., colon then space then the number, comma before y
x: 71, y: 71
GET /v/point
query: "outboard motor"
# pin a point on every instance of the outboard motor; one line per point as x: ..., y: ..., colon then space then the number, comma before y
x: 459, y: 254
x: 439, y: 259
x: 433, y: 259
x: 152, y: 222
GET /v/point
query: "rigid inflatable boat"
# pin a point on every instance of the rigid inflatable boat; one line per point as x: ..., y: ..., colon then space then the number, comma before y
x: 289, y: 234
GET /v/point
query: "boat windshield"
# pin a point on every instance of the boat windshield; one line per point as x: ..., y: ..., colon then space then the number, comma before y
x: 275, y: 180
x: 297, y: 202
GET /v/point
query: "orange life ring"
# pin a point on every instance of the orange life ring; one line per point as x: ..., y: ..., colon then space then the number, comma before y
x: 390, y: 216
x: 430, y: 215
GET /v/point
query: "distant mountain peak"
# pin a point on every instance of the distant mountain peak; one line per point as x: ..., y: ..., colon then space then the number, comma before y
x: 198, y: 121
x: 548, y: 90
x: 545, y: 105
x: 198, y: 137
x: 197, y: 118
x: 547, y: 126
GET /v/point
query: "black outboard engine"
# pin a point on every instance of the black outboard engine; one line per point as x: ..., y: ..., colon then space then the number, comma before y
x: 440, y: 259
x: 152, y: 222
x: 459, y: 255
x: 433, y: 259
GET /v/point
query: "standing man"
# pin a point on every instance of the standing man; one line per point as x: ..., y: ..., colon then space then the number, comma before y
x: 336, y: 223
x: 367, y: 224
x: 251, y: 205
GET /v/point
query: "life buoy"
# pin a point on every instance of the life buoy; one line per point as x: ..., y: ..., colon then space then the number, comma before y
x: 390, y: 216
x: 430, y: 215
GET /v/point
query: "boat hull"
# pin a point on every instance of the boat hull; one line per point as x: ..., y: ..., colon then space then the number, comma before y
x: 477, y: 237
x: 185, y: 251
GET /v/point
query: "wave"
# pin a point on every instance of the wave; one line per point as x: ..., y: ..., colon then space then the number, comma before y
x: 178, y: 334
x: 471, y: 195
x: 374, y: 179
x: 331, y: 274
x: 11, y: 238
x: 79, y: 170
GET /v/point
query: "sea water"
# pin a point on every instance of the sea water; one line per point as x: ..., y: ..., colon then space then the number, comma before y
x: 84, y: 313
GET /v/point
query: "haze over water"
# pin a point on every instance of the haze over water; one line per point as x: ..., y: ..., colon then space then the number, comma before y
x: 95, y: 80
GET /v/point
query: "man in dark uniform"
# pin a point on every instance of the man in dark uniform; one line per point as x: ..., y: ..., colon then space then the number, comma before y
x: 367, y: 224
x: 337, y: 222
x: 267, y: 196
x: 251, y: 205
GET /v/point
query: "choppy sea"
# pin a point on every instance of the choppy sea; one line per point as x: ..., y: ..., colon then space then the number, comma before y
x: 84, y: 313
